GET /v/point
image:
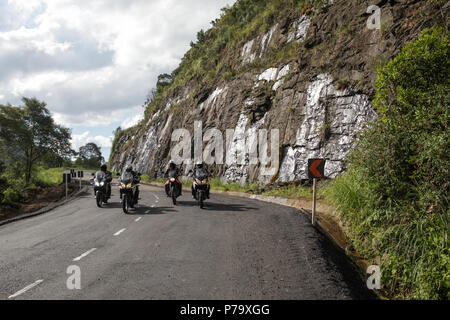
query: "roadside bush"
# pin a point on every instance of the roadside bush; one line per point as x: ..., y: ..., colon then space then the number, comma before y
x: 395, y: 196
x: 11, y: 197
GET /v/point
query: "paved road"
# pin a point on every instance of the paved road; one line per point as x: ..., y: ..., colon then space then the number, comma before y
x: 233, y: 249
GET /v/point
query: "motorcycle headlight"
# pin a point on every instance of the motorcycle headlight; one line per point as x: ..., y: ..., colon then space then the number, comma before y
x: 172, y: 179
x: 122, y: 185
x: 102, y: 184
x: 129, y: 185
x: 204, y: 181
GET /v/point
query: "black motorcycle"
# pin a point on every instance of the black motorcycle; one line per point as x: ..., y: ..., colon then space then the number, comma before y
x: 200, y: 186
x: 101, y: 185
x: 173, y: 187
x: 128, y: 191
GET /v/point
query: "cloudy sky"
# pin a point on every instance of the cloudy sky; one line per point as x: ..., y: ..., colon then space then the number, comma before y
x: 94, y: 61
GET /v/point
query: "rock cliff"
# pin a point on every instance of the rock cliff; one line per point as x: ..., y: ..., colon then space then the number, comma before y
x: 307, y: 70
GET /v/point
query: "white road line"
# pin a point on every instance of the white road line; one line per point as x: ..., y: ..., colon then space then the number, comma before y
x: 18, y: 293
x: 157, y: 198
x: 147, y: 211
x: 84, y: 254
x: 153, y: 205
x: 137, y: 219
x: 120, y: 231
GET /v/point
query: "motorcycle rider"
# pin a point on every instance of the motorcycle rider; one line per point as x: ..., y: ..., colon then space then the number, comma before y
x: 136, y: 179
x: 200, y: 171
x: 107, y: 179
x: 173, y: 171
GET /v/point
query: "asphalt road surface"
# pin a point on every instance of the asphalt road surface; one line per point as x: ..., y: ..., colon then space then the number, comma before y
x: 235, y: 248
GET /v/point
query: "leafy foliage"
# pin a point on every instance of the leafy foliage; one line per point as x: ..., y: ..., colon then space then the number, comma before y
x: 396, y: 194
x: 90, y: 156
x: 29, y: 133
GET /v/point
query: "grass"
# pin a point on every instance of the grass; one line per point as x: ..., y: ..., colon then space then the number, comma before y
x: 290, y: 191
x: 145, y: 178
x: 48, y: 177
x: 410, y: 246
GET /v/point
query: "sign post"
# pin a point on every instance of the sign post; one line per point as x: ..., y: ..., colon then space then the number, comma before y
x: 313, y: 215
x: 80, y: 175
x: 66, y: 180
x: 315, y: 171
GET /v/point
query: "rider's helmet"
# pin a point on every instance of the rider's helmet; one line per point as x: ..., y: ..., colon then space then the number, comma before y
x: 103, y: 167
x: 199, y: 164
x: 172, y: 164
x: 129, y: 169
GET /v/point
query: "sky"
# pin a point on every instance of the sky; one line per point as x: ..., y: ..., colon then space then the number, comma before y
x: 94, y: 61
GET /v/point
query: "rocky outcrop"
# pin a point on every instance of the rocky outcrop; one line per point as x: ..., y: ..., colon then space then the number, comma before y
x: 317, y: 98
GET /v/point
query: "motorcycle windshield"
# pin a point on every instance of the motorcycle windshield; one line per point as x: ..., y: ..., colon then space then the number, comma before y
x: 200, y: 174
x: 172, y: 174
x: 99, y: 176
x: 126, y: 178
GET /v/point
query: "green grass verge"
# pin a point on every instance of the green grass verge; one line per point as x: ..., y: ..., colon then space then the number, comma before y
x: 290, y: 191
x: 410, y: 246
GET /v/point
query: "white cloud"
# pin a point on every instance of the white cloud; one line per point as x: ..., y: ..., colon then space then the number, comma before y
x: 79, y: 140
x: 127, y: 118
x: 93, y: 62
x: 134, y: 119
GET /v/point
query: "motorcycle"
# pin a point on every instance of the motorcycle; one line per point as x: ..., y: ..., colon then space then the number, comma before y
x: 128, y: 191
x: 173, y: 188
x: 101, y: 183
x: 200, y: 186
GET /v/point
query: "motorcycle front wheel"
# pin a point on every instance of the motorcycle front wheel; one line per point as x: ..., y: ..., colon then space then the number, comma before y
x: 99, y: 199
x: 125, y: 205
x: 174, y: 198
x: 200, y: 199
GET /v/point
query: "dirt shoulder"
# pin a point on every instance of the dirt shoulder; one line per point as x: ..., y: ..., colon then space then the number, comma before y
x: 38, y: 200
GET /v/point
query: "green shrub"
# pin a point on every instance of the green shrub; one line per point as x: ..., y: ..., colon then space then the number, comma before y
x: 395, y: 194
x: 11, y: 197
x: 48, y: 177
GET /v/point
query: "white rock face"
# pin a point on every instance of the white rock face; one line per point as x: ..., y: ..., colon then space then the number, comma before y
x: 173, y: 102
x: 145, y: 146
x: 268, y: 75
x: 238, y: 151
x: 235, y: 150
x: 301, y: 27
x: 213, y: 98
x: 246, y: 52
x: 283, y: 72
x: 266, y: 40
x: 257, y: 47
x: 164, y: 130
x: 346, y: 114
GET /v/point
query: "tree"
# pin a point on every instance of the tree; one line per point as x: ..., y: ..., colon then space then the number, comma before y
x: 28, y: 133
x: 164, y: 80
x: 90, y: 156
